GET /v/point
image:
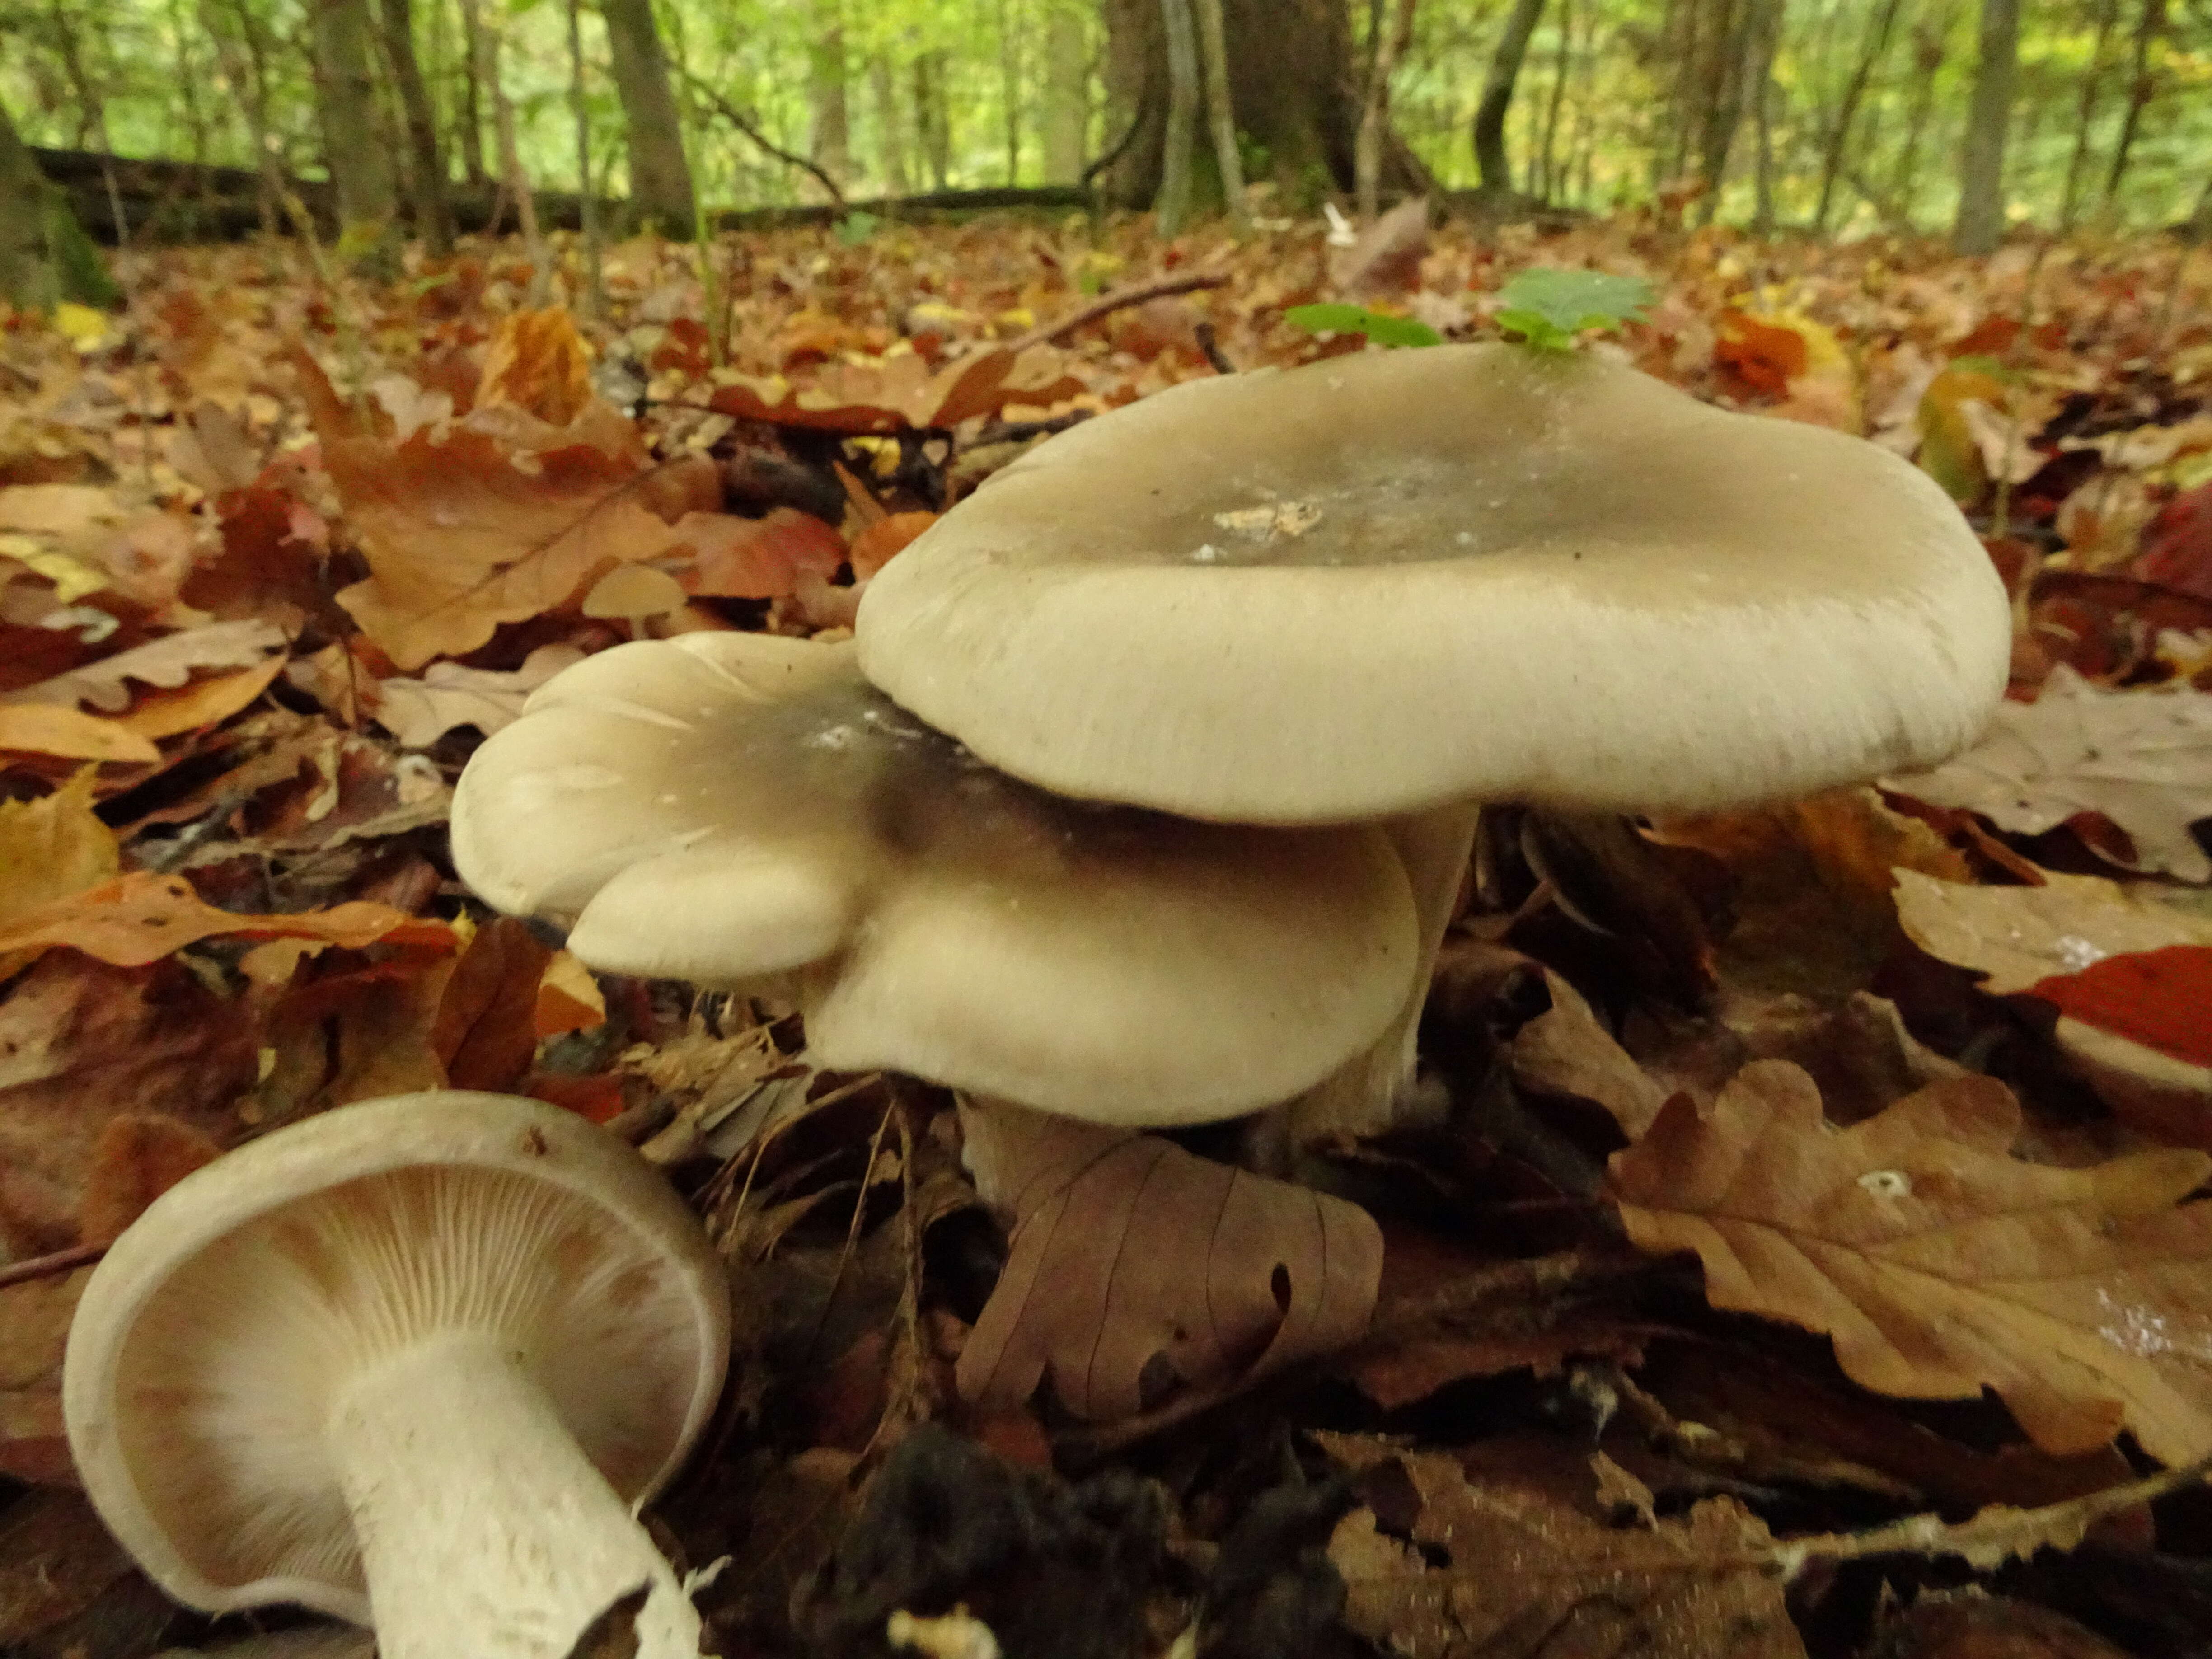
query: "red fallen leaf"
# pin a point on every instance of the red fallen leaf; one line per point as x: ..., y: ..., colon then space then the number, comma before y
x: 141, y: 917
x: 2161, y: 999
x: 2177, y: 546
x: 597, y: 1096
x: 1762, y: 358
x: 684, y: 347
x: 736, y: 558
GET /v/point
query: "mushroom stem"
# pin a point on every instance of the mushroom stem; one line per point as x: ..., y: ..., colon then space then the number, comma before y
x: 1362, y: 1096
x: 483, y: 1528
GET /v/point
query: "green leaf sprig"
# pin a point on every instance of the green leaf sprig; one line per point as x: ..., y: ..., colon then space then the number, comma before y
x: 1381, y: 327
x: 1549, y: 308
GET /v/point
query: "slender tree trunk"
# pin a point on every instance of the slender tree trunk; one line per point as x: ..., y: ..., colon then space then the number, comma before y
x: 1839, y: 136
x: 1221, y: 112
x: 44, y: 255
x: 1927, y: 54
x: 890, y: 131
x: 434, y: 221
x: 1174, y: 199
x: 829, y: 142
x: 1759, y: 78
x: 1066, y: 92
x: 2142, y: 85
x: 2200, y: 222
x: 1981, y: 222
x: 1547, y: 163
x: 469, y: 116
x: 361, y: 171
x: 659, y: 174
x: 1734, y: 45
x: 1374, y: 107
x: 2093, y: 85
x: 243, y: 76
x: 1010, y: 88
x: 1490, y: 159
x: 932, y: 121
x: 588, y: 192
x: 488, y: 36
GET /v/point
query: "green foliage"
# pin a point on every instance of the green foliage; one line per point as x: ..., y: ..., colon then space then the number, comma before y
x: 1549, y: 308
x: 856, y: 227
x: 1378, y: 327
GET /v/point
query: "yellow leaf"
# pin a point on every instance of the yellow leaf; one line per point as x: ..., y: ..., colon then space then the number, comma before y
x: 46, y: 728
x: 52, y: 848
x: 72, y: 578
x: 80, y: 326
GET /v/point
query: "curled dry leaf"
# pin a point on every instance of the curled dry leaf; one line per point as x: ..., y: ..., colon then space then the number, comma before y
x: 1503, y: 1570
x: 1136, y: 1266
x: 2141, y: 759
x: 141, y: 917
x: 169, y: 661
x: 1939, y: 1264
x: 2018, y: 936
x: 419, y: 712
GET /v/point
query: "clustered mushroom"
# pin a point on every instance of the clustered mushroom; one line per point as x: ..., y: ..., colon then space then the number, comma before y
x: 410, y: 1362
x: 1141, y: 798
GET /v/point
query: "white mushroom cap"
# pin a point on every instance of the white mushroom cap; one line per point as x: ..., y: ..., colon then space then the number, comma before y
x: 1381, y: 582
x: 410, y: 1362
x: 721, y: 807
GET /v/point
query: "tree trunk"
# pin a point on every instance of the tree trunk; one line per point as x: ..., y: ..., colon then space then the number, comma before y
x: 1220, y: 111
x: 932, y: 121
x: 659, y: 176
x: 2200, y: 222
x: 1547, y: 152
x: 1010, y: 88
x: 890, y: 131
x: 1759, y: 77
x: 241, y: 68
x: 1927, y: 54
x: 1981, y: 222
x: 361, y: 171
x: 1174, y: 199
x: 1840, y: 138
x: 1490, y: 159
x: 2142, y: 86
x: 434, y: 220
x: 1734, y: 46
x: 44, y: 255
x: 829, y: 142
x: 1066, y: 94
x: 469, y: 116
x: 587, y: 195
x: 1391, y: 35
x: 487, y: 34
x: 1290, y: 89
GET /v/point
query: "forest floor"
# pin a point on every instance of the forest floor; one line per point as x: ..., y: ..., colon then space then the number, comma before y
x: 1811, y: 1261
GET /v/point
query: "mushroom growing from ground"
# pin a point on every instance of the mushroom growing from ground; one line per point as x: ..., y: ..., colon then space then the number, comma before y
x: 1407, y: 583
x: 413, y: 1362
x: 734, y: 809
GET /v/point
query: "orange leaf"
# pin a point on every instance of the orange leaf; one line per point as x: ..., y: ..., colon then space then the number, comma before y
x: 204, y: 703
x: 883, y: 540
x: 756, y: 558
x: 1763, y: 357
x: 46, y: 728
x: 141, y: 917
x: 539, y: 361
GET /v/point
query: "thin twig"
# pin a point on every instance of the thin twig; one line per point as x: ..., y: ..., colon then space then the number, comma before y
x: 1133, y: 293
x: 45, y: 1266
x: 738, y: 119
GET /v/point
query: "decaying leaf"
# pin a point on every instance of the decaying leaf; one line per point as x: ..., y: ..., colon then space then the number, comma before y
x: 2142, y: 758
x: 1501, y: 1569
x: 1136, y: 1267
x: 1565, y: 1051
x: 2020, y: 935
x: 43, y: 729
x: 1939, y: 1264
x: 141, y: 917
x: 419, y: 712
x: 169, y: 661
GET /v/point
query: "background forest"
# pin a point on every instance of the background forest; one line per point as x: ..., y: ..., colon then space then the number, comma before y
x: 1833, y: 116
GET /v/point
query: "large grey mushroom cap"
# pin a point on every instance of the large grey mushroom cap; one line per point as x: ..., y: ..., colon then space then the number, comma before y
x: 726, y: 807
x: 1377, y: 583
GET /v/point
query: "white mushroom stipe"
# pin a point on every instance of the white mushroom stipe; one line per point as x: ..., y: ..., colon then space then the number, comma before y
x: 411, y: 1363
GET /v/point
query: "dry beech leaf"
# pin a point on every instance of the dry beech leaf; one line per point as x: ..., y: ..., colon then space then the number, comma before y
x: 137, y: 1157
x: 568, y: 998
x: 45, y: 728
x: 2018, y: 936
x: 1131, y: 1256
x: 1503, y: 1569
x: 52, y: 848
x: 169, y: 661
x: 419, y: 712
x: 762, y: 558
x: 900, y: 392
x: 486, y: 1031
x: 1565, y: 1051
x: 1939, y: 1264
x: 2142, y: 758
x: 203, y: 703
x: 885, y: 539
x: 539, y: 361
x: 34, y: 1322
x: 141, y: 917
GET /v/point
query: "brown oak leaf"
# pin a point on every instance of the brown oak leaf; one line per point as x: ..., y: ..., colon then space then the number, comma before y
x: 1939, y: 1264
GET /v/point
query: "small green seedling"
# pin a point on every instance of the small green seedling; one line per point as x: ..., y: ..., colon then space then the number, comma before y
x: 1549, y: 308
x: 856, y: 227
x: 1382, y: 329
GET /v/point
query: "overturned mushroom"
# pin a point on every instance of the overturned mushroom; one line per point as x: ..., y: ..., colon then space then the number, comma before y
x: 1403, y: 583
x: 412, y: 1363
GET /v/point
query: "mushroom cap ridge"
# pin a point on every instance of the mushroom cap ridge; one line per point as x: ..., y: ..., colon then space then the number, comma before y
x: 496, y: 1134
x: 1376, y: 583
